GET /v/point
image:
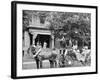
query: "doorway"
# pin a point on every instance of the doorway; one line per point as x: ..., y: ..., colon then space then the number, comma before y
x: 41, y: 38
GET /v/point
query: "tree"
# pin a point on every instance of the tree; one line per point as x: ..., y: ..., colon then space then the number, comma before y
x: 70, y: 26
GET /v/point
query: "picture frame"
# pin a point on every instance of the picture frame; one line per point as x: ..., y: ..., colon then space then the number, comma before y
x: 19, y: 9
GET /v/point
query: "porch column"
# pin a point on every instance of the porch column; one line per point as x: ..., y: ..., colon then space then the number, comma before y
x: 26, y: 42
x: 34, y: 37
x: 52, y: 37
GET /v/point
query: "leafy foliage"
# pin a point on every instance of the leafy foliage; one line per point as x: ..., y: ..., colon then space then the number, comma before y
x: 74, y: 26
x: 64, y: 25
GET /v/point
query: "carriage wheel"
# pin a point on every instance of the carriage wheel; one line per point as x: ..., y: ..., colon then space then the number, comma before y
x: 69, y: 61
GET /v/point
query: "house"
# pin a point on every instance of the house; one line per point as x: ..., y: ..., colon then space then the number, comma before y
x: 38, y: 31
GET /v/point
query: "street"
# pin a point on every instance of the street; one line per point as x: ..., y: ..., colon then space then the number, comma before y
x: 29, y: 63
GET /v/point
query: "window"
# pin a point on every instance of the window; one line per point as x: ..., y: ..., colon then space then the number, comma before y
x: 42, y: 19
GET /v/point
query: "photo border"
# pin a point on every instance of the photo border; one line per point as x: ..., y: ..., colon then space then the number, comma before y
x: 14, y: 38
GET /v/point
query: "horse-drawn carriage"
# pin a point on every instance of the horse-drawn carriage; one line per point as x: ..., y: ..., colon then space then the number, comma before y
x: 57, y: 59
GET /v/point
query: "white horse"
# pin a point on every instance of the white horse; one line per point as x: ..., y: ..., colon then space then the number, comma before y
x: 74, y: 54
x: 84, y: 56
